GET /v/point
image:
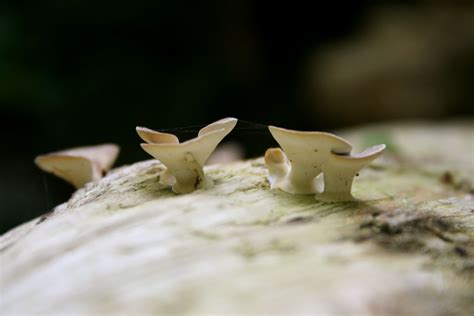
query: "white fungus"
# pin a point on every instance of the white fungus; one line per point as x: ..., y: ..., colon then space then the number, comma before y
x: 315, y: 163
x: 185, y: 161
x: 80, y: 165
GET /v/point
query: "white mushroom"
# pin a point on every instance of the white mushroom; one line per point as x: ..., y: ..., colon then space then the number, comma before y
x: 307, y: 152
x: 341, y: 170
x: 185, y: 161
x: 278, y: 167
x: 308, y: 156
x: 79, y: 165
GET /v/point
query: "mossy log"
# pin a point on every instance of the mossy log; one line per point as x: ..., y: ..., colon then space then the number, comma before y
x: 127, y: 245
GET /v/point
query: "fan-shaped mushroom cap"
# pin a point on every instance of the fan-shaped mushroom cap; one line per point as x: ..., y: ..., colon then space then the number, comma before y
x: 307, y: 153
x: 186, y: 160
x: 340, y: 171
x: 227, y: 124
x: 153, y: 137
x: 79, y: 165
x: 315, y: 142
x: 357, y: 161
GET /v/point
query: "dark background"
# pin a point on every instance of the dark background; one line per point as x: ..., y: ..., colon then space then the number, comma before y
x: 82, y: 72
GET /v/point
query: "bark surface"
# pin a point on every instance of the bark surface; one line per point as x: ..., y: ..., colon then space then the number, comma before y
x: 128, y: 245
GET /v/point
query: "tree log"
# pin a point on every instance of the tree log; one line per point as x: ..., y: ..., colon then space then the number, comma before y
x: 127, y: 245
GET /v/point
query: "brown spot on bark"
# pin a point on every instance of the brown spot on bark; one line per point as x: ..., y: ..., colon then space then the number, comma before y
x: 447, y: 178
x: 462, y: 252
x: 298, y: 220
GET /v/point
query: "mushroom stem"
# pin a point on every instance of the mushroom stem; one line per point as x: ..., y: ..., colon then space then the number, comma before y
x: 303, y: 182
x: 167, y: 178
x: 189, y: 176
x: 337, y: 186
x: 284, y: 176
x: 278, y: 167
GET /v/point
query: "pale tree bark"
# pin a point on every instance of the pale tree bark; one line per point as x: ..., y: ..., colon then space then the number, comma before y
x: 127, y: 245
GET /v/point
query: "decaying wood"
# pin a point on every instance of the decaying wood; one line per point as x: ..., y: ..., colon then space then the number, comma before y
x: 127, y: 245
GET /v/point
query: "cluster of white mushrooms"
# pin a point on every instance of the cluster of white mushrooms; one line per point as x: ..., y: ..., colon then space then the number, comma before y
x: 308, y: 162
x: 315, y: 163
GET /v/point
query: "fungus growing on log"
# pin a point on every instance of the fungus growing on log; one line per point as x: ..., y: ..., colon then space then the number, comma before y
x: 80, y: 165
x: 185, y: 161
x: 306, y: 156
x: 278, y: 167
x: 341, y: 170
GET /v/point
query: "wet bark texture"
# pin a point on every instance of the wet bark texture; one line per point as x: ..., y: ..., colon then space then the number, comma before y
x: 125, y: 244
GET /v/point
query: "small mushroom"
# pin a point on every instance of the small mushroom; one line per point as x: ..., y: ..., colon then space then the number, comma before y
x: 185, y: 161
x: 278, y: 167
x: 307, y: 153
x: 80, y: 165
x: 309, y: 158
x: 339, y: 173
